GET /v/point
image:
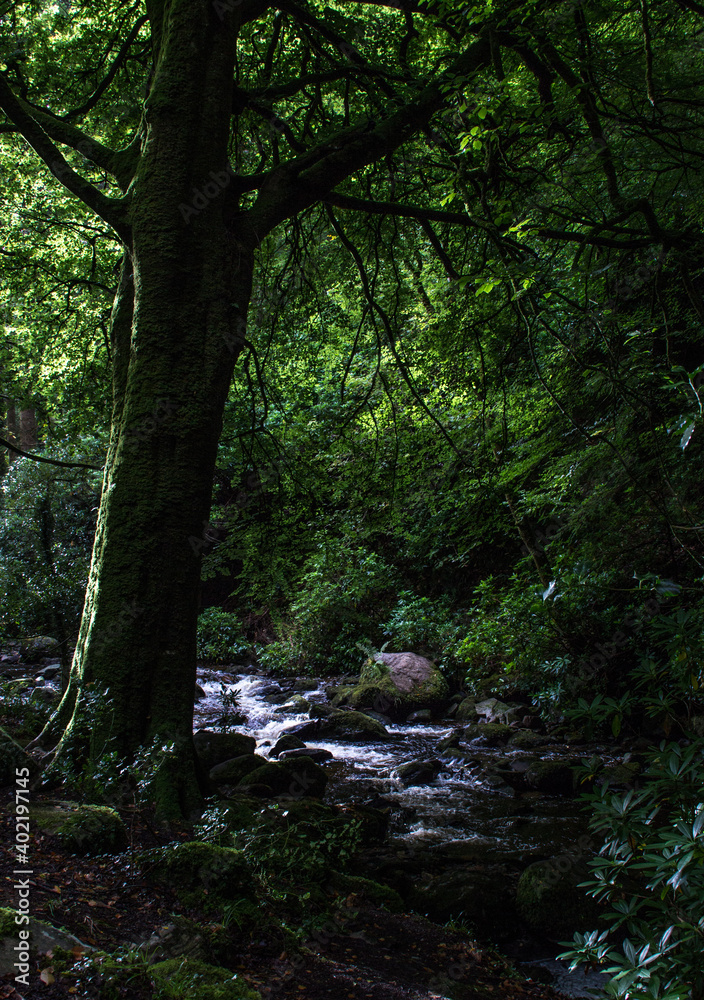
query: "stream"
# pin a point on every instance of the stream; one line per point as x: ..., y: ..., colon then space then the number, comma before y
x: 467, y: 808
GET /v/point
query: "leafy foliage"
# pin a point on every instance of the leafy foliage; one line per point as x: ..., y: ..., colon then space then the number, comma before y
x: 651, y: 873
x: 47, y: 519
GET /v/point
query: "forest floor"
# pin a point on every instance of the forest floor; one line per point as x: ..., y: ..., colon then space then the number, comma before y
x: 110, y: 904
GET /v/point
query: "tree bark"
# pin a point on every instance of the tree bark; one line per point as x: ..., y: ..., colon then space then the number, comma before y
x: 12, y: 431
x: 177, y: 327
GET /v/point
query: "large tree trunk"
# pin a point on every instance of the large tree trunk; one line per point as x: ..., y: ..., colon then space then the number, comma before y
x: 177, y: 327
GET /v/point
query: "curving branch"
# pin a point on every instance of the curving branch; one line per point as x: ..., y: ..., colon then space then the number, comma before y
x: 49, y: 461
x: 111, y: 210
x: 117, y: 62
x: 299, y: 183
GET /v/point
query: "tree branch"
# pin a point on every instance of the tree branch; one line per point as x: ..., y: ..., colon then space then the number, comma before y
x: 112, y: 211
x: 49, y: 461
x: 404, y: 211
x: 111, y: 73
x: 301, y: 182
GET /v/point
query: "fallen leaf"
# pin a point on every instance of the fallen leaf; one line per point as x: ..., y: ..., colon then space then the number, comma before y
x: 46, y: 976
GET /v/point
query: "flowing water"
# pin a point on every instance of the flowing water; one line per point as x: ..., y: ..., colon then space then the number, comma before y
x: 467, y: 802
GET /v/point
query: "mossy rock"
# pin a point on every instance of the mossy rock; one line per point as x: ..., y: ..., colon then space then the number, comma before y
x: 295, y: 705
x: 381, y: 694
x: 373, y: 822
x: 466, y: 709
x: 526, y: 739
x: 241, y: 811
x: 195, y: 868
x: 374, y: 892
x: 38, y: 647
x: 44, y: 939
x: 231, y: 772
x: 554, y: 777
x: 287, y: 742
x: 491, y: 733
x: 83, y: 829
x: 297, y: 778
x: 305, y: 684
x: 549, y: 900
x: 351, y: 727
x: 342, y: 695
x: 215, y: 748
x: 8, y: 927
x: 481, y: 895
x: 183, y: 978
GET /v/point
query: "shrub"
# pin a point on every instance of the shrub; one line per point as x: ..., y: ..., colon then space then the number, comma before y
x: 220, y: 637
x: 344, y: 589
x: 47, y: 522
x: 651, y: 873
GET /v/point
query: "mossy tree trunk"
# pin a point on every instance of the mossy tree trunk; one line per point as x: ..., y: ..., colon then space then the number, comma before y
x: 176, y: 330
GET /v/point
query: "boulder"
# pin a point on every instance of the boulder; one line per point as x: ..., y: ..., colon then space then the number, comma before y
x: 297, y: 705
x: 466, y: 709
x: 38, y: 647
x: 450, y: 742
x: 396, y: 684
x: 302, y: 729
x: 198, y: 694
x: 231, y: 772
x: 82, y: 829
x: 340, y: 695
x: 422, y: 715
x: 490, y: 734
x: 43, y: 939
x: 297, y: 778
x: 372, y: 823
x: 215, y: 748
x: 305, y: 684
x: 418, y: 772
x: 478, y: 849
x: 554, y: 777
x: 182, y: 938
x: 47, y: 695
x: 194, y: 868
x: 379, y: 895
x: 481, y: 896
x: 286, y: 742
x: 352, y: 727
x: 177, y: 978
x: 320, y: 710
x: 526, y: 739
x: 316, y: 754
x: 494, y: 710
x: 276, y: 697
x: 50, y: 672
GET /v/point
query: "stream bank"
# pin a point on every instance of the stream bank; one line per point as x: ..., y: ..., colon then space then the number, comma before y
x: 476, y: 814
x: 453, y: 815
